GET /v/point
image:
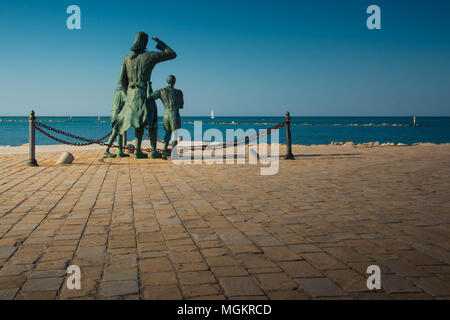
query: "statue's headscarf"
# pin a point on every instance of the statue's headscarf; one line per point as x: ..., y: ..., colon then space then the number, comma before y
x: 140, y: 44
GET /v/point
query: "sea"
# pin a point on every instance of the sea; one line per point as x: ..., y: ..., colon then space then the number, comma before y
x: 304, y: 130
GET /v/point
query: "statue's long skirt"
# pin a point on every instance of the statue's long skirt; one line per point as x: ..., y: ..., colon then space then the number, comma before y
x: 138, y: 111
x: 117, y: 106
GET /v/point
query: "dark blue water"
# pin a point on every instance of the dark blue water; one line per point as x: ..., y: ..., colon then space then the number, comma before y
x: 305, y: 130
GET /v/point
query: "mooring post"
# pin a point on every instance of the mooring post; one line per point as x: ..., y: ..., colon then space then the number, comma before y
x: 31, y: 123
x: 289, y: 155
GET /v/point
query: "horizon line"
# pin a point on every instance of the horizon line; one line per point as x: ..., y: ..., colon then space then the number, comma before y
x: 252, y: 116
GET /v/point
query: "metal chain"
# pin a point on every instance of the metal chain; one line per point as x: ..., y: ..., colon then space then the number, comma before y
x: 77, y: 144
x: 71, y: 135
x: 88, y: 141
x: 147, y: 135
x: 99, y: 141
x: 246, y: 139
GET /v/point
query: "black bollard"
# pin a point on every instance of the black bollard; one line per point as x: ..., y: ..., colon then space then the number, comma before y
x: 289, y: 155
x: 31, y: 121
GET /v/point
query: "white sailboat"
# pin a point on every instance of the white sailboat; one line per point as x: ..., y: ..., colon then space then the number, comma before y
x: 212, y: 114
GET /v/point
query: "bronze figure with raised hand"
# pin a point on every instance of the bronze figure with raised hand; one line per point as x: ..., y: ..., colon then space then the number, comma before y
x: 173, y: 101
x: 140, y: 112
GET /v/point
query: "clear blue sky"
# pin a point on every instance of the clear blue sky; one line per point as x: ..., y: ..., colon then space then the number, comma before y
x: 249, y: 57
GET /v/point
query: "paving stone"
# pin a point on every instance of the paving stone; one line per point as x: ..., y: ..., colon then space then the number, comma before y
x: 373, y: 296
x: 412, y: 296
x: 91, y: 252
x: 264, y: 270
x: 162, y: 293
x: 361, y: 267
x: 438, y: 269
x: 88, y: 288
x: 43, y: 284
x: 286, y: 295
x: 300, y: 269
x: 229, y: 271
x: 275, y: 281
x: 434, y: 286
x: 320, y: 287
x: 14, y: 270
x: 233, y: 237
x: 348, y: 280
x: 122, y: 260
x: 155, y: 265
x: 243, y: 248
x: 11, y: 282
x: 265, y: 241
x: 280, y: 254
x: 212, y: 297
x: 37, y: 295
x: 93, y: 240
x: 405, y: 269
x: 344, y: 236
x: 8, y: 294
x: 255, y: 261
x: 240, y: 286
x: 197, y: 266
x: 119, y: 272
x: 56, y: 256
x: 394, y: 284
x: 304, y: 248
x: 191, y: 291
x: 26, y: 256
x: 6, y: 252
x: 186, y: 257
x: 346, y: 254
x: 253, y: 298
x: 214, y: 252
x: 153, y: 254
x: 48, y: 274
x: 222, y: 261
x: 118, y: 288
x: 158, y: 279
x: 419, y: 258
x: 196, y: 277
x: 323, y: 261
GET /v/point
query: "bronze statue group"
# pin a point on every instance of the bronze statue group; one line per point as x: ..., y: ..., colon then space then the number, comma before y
x: 134, y: 100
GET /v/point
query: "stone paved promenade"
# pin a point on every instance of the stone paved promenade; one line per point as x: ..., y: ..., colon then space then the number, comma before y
x: 148, y: 229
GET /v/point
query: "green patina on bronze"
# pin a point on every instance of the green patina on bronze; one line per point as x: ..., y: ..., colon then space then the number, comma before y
x: 173, y: 101
x: 138, y: 111
x: 117, y: 106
